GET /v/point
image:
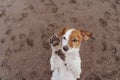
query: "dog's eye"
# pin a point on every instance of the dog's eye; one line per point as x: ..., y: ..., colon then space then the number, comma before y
x: 64, y: 38
x: 74, y: 40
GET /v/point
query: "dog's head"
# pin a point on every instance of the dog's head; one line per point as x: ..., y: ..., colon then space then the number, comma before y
x: 72, y: 38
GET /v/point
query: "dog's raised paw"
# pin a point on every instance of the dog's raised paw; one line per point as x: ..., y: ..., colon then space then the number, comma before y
x: 60, y: 54
x: 54, y: 40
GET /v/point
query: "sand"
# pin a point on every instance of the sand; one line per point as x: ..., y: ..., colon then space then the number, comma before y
x: 27, y: 25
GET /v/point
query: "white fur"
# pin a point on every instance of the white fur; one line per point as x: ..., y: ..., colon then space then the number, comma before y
x: 70, y: 69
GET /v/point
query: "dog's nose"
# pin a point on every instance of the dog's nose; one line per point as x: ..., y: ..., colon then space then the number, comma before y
x: 65, y: 48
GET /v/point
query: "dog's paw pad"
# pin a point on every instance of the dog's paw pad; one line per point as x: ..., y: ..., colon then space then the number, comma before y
x: 60, y: 54
x: 54, y: 40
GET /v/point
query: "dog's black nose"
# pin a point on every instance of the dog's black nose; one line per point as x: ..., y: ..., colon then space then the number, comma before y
x: 65, y: 48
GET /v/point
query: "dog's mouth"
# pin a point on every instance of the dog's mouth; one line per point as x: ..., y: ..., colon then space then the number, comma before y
x: 70, y: 50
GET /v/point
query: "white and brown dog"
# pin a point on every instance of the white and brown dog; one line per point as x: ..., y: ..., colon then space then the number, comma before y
x: 65, y: 59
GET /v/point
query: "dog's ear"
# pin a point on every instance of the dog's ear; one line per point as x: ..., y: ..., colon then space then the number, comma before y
x: 85, y: 34
x: 62, y: 31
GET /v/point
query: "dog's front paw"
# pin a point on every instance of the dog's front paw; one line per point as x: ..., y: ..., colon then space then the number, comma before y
x: 54, y: 40
x: 61, y: 54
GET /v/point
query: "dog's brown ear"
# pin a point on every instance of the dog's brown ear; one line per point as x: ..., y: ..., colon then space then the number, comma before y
x: 85, y: 34
x: 62, y: 31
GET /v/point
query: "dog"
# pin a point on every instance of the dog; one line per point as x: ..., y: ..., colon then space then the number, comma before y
x: 65, y: 60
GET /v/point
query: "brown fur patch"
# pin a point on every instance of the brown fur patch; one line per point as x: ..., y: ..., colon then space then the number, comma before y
x: 62, y: 32
x: 75, y: 39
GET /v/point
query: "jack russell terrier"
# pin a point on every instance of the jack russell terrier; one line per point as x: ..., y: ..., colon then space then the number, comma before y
x: 65, y: 60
